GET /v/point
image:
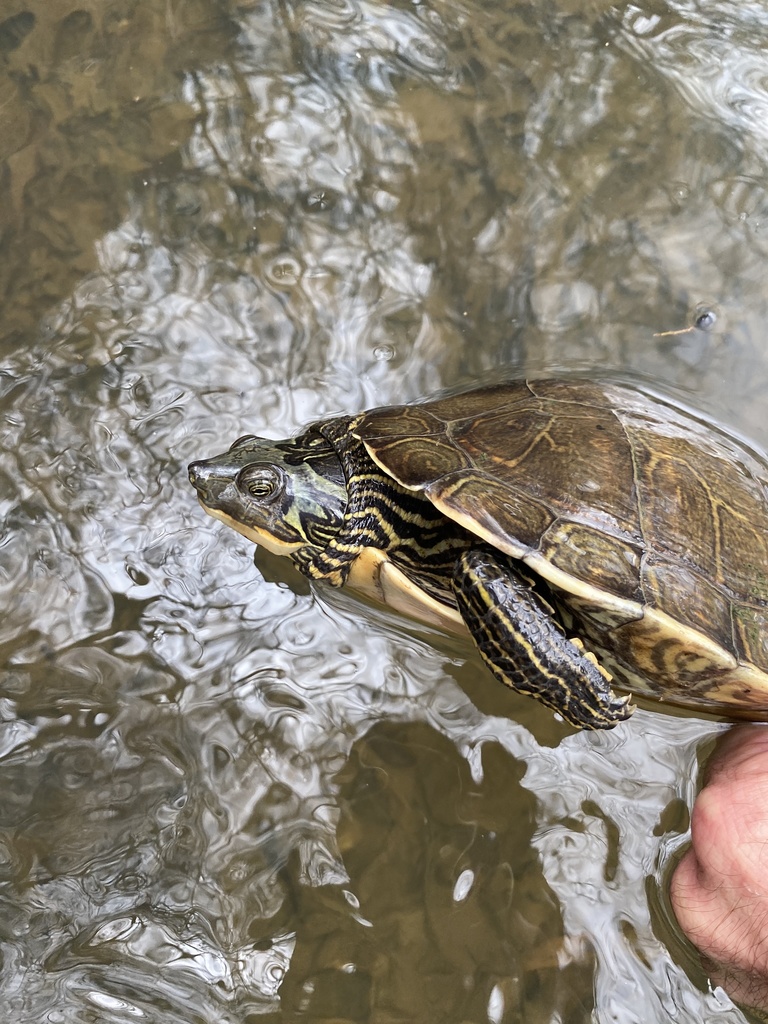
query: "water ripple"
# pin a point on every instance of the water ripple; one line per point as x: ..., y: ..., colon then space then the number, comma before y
x: 227, y: 789
x: 717, y: 62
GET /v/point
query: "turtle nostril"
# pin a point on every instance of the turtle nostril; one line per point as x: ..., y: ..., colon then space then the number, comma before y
x: 197, y: 475
x: 213, y: 482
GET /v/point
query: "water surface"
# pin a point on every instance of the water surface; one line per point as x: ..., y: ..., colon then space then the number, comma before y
x: 229, y: 797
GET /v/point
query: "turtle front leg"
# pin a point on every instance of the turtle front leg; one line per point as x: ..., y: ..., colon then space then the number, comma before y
x: 522, y: 645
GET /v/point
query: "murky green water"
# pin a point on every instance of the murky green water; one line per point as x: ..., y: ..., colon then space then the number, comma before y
x: 228, y: 798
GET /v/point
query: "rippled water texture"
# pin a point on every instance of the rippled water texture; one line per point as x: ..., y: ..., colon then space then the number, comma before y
x: 227, y: 797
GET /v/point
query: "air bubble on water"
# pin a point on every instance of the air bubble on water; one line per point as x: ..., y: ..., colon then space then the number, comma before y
x: 705, y: 317
x: 384, y: 353
x: 679, y: 192
x: 284, y: 271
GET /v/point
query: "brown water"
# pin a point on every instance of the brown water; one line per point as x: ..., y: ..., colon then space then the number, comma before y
x: 228, y: 798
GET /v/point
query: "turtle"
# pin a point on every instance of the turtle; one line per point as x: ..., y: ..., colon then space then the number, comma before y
x: 588, y: 533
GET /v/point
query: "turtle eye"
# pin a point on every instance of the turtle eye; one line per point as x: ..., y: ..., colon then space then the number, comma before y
x: 262, y: 483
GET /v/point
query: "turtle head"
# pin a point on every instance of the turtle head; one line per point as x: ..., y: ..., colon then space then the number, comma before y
x: 287, y: 496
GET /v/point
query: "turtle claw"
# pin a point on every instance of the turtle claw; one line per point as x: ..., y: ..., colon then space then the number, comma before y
x: 596, y: 709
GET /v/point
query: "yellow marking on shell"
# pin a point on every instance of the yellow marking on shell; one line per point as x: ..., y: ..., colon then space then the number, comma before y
x: 373, y: 575
x: 260, y: 537
x: 736, y: 695
x: 724, y: 681
x: 621, y: 606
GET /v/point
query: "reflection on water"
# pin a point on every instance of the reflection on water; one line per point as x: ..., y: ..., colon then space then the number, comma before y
x: 227, y: 797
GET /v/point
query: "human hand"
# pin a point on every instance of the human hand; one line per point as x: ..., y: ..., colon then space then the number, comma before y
x: 719, y: 890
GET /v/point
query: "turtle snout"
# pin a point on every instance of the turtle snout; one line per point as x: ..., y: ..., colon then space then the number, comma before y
x: 215, y: 483
x: 209, y: 480
x: 198, y: 476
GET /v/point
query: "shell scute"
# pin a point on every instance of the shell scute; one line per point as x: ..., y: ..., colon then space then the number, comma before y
x: 750, y: 627
x: 413, y: 440
x: 510, y: 520
x: 669, y: 586
x: 614, y: 562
